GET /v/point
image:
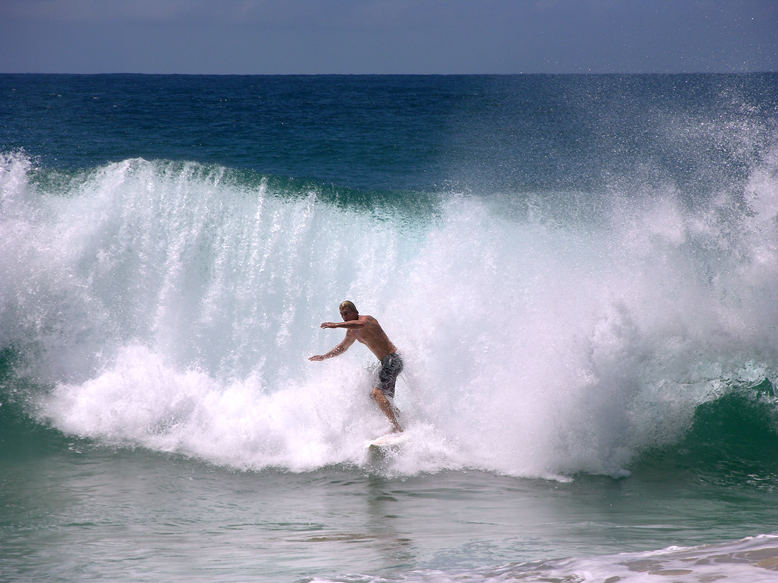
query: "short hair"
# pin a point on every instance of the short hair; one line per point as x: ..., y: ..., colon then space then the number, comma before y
x: 348, y: 305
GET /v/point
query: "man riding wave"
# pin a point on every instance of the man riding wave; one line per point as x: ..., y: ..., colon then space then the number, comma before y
x: 368, y: 331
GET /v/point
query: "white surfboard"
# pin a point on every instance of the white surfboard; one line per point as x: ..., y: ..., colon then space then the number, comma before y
x: 388, y: 440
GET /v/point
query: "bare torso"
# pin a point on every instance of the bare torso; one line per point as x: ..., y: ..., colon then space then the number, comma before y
x: 373, y: 336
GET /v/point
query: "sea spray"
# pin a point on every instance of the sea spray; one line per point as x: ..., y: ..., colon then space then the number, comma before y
x: 173, y: 305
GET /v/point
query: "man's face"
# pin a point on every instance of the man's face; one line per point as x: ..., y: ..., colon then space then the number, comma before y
x: 348, y: 314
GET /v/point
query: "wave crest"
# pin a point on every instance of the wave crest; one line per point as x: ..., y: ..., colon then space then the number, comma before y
x: 173, y: 305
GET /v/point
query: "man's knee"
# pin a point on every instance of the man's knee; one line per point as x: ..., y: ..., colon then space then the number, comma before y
x: 381, y: 397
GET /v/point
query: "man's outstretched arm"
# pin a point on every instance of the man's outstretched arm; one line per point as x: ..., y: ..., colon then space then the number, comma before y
x: 339, y: 349
x: 360, y: 322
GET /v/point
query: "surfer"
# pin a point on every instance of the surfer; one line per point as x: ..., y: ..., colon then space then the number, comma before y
x: 368, y: 331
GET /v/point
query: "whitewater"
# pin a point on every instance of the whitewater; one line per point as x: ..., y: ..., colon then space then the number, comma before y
x: 173, y: 305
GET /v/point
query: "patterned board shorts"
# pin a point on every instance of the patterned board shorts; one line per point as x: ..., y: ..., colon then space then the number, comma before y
x: 391, y: 366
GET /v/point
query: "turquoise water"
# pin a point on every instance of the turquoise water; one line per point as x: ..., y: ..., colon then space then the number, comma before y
x: 96, y: 514
x: 581, y: 273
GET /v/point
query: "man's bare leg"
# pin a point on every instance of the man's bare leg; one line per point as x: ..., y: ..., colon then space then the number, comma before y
x: 386, y: 407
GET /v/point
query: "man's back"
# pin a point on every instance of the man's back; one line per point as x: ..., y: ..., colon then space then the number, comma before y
x: 373, y: 336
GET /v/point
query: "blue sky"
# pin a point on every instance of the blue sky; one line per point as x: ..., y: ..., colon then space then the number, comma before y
x: 387, y: 36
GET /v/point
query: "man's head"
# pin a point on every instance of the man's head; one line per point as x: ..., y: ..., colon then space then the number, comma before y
x: 348, y: 311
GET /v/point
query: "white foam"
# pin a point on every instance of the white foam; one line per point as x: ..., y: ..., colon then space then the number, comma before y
x: 175, y: 307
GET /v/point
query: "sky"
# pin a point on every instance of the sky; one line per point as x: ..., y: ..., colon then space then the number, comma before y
x: 388, y: 36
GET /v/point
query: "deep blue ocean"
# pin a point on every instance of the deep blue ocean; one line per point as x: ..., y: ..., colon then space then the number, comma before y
x: 581, y: 273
